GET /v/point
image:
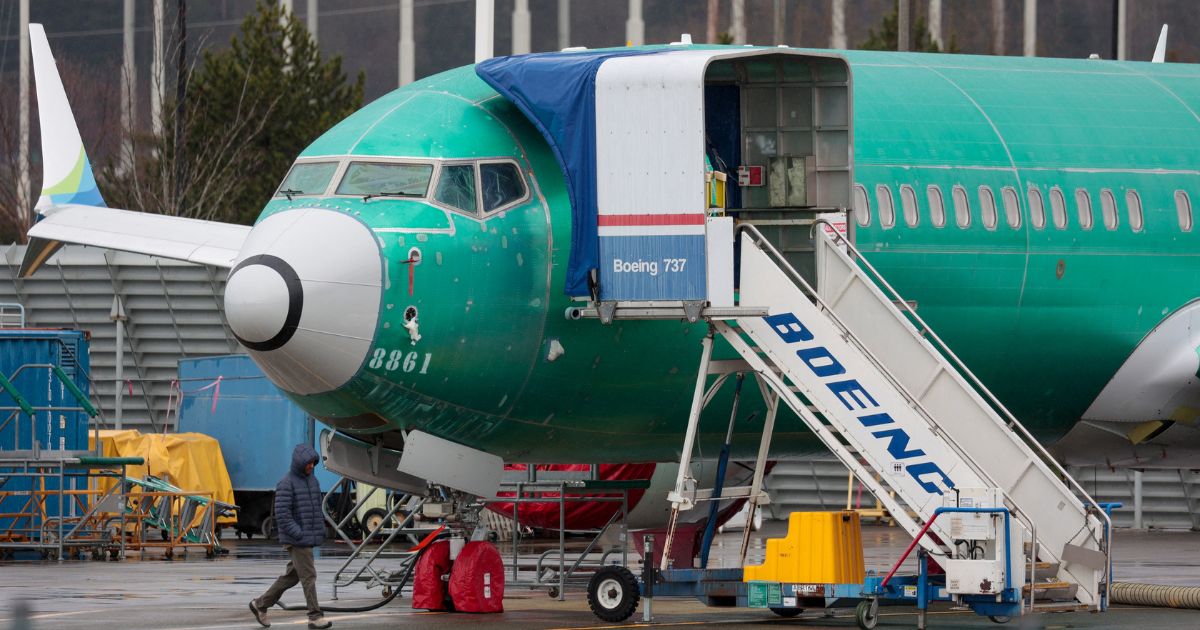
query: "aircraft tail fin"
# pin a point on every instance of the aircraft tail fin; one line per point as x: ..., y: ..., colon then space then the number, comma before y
x: 1160, y: 51
x: 67, y: 176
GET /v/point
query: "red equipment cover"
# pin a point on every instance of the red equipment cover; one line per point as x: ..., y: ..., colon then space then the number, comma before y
x: 477, y: 579
x: 579, y: 514
x: 429, y: 591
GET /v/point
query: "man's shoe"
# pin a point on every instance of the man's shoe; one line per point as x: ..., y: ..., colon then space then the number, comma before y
x: 319, y: 624
x: 260, y: 615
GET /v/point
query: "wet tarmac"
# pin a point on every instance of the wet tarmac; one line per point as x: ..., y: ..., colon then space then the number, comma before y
x: 192, y: 592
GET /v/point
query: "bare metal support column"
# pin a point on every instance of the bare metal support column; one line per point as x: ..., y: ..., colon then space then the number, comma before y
x: 837, y: 28
x: 903, y: 25
x: 760, y: 465
x: 407, y: 46
x: 564, y: 24
x: 998, y: 24
x: 128, y: 87
x: 485, y: 29
x: 635, y: 26
x: 158, y: 72
x: 1030, y: 28
x: 689, y: 441
x: 935, y: 23
x: 521, y: 28
x: 312, y: 16
x: 778, y: 19
x: 737, y: 18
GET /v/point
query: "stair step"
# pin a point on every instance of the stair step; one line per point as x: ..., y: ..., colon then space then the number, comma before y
x: 1051, y: 590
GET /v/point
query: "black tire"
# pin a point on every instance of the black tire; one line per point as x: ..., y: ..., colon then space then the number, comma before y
x: 268, y: 528
x: 613, y: 594
x: 1000, y: 618
x: 866, y: 614
x: 373, y: 520
x: 787, y: 612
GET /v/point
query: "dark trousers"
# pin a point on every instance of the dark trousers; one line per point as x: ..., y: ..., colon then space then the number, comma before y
x: 300, y: 569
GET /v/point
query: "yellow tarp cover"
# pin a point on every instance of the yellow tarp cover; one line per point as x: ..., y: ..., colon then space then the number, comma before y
x: 190, y: 461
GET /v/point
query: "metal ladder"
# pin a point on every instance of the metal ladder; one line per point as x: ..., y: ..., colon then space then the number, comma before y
x: 906, y: 417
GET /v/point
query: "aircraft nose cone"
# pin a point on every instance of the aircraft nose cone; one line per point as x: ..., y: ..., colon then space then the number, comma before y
x: 304, y: 298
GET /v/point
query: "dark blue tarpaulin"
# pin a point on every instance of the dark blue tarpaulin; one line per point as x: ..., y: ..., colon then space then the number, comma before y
x: 557, y: 92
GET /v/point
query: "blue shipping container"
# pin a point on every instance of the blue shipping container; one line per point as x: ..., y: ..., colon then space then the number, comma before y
x: 58, y: 423
x: 256, y: 425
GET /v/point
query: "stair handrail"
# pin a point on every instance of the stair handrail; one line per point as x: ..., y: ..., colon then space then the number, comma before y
x: 807, y: 288
x: 980, y: 388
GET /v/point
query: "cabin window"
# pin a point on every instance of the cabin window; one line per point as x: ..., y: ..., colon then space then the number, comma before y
x: 937, y: 206
x: 1133, y: 203
x: 1183, y: 205
x: 307, y: 178
x: 1037, y: 208
x: 862, y: 206
x: 1108, y: 208
x: 1058, y: 208
x: 1083, y: 202
x: 908, y: 200
x: 456, y: 187
x: 502, y: 185
x: 962, y: 206
x: 987, y: 207
x: 1012, y: 206
x: 386, y: 179
x: 887, y: 210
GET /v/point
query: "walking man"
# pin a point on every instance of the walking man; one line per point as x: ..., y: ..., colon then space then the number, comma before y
x: 298, y: 519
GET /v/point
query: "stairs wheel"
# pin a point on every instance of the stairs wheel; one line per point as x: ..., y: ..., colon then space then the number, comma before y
x: 787, y: 612
x: 1000, y: 618
x: 866, y: 614
x: 613, y: 594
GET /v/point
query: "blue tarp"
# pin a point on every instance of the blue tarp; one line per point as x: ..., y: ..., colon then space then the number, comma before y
x: 557, y: 92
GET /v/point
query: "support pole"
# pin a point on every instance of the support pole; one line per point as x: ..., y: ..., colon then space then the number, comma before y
x: 714, y: 506
x: 635, y: 26
x: 23, y: 191
x: 485, y: 29
x: 117, y: 315
x: 710, y: 30
x: 564, y: 24
x: 737, y: 18
x: 158, y: 72
x: 837, y: 28
x: 935, y: 23
x: 779, y: 13
x: 407, y: 47
x: 312, y: 16
x: 998, y: 24
x: 181, y: 78
x: 1137, y: 499
x: 1122, y: 23
x: 1030, y: 28
x: 760, y: 465
x: 521, y: 28
x: 903, y: 25
x: 689, y: 441
x: 128, y: 87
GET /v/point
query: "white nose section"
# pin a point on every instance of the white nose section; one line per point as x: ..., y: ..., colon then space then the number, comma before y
x: 304, y: 298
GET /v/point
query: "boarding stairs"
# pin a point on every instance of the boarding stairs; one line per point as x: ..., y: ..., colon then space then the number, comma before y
x: 854, y: 361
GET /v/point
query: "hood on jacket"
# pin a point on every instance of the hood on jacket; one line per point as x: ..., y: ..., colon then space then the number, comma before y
x: 301, y: 456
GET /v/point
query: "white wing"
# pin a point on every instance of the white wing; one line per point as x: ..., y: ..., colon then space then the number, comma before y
x: 70, y: 205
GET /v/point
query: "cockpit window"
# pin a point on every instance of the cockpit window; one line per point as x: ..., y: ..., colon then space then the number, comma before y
x: 386, y: 179
x: 456, y: 187
x: 307, y: 178
x: 501, y: 184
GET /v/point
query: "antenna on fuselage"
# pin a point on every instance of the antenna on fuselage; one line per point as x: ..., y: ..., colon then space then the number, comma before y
x: 1160, y: 51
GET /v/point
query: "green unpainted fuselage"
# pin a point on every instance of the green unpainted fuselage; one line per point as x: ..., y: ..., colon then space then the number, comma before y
x: 1044, y: 316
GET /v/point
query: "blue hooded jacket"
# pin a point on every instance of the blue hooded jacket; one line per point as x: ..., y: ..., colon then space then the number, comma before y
x: 298, y: 502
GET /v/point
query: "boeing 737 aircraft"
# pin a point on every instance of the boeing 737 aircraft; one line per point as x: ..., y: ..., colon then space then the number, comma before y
x: 413, y: 270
